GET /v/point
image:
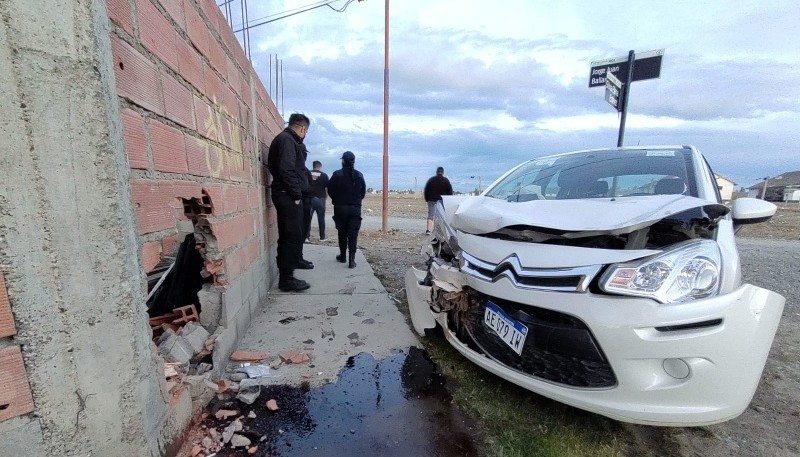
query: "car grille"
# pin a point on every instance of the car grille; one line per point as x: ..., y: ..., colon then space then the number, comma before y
x: 558, y: 348
x: 574, y: 279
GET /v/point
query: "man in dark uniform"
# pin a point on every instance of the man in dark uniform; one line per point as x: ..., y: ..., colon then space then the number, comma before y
x: 286, y: 163
x: 347, y: 188
x: 318, y: 183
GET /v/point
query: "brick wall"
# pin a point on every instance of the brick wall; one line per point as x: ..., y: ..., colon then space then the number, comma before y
x: 193, y: 112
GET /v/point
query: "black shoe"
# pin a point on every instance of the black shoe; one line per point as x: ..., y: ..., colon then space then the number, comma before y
x: 340, y: 258
x: 352, y: 263
x: 293, y: 285
x: 305, y: 265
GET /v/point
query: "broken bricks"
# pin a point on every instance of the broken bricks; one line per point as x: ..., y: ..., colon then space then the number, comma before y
x: 248, y: 356
x: 272, y: 405
x: 295, y: 357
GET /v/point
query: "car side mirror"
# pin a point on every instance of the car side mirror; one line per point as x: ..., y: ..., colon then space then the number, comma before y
x: 751, y: 211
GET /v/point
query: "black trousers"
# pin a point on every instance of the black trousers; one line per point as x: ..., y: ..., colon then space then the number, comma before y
x: 306, y: 217
x: 317, y: 206
x: 348, y: 222
x: 290, y: 232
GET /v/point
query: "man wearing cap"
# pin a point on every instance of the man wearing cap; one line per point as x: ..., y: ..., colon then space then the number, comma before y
x: 347, y: 189
x: 434, y: 189
x: 286, y: 162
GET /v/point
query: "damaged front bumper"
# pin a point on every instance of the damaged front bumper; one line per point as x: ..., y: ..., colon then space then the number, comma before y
x: 626, y: 358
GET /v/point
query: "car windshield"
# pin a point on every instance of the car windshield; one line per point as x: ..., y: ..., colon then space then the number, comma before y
x: 600, y: 174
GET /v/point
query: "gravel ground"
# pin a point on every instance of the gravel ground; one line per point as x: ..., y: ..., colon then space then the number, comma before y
x: 770, y: 255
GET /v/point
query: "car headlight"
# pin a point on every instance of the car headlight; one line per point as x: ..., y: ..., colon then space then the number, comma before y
x: 684, y: 272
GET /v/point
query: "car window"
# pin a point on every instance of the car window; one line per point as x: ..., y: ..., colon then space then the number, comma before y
x: 599, y: 174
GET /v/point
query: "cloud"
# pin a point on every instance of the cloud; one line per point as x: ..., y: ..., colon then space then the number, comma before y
x: 478, y: 89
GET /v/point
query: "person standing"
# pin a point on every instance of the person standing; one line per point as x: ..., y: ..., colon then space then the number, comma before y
x: 434, y: 189
x: 286, y: 163
x: 347, y: 189
x: 318, y: 182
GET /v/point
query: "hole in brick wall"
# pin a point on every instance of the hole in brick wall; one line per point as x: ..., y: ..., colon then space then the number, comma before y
x: 121, y: 66
x: 4, y: 406
x: 173, y: 303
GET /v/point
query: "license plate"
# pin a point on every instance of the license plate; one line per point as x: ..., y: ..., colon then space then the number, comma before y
x: 511, y: 331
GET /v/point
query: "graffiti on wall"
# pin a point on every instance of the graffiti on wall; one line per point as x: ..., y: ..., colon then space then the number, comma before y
x: 218, y: 127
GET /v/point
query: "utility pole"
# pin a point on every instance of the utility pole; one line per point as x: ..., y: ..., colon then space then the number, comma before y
x: 385, y: 209
x: 764, y: 189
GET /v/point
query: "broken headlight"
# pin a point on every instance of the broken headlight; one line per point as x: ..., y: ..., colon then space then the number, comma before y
x: 684, y: 272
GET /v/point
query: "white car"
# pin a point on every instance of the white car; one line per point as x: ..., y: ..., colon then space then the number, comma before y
x: 608, y: 280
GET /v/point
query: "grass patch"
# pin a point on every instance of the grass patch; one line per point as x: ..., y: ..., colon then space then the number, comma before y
x: 519, y: 423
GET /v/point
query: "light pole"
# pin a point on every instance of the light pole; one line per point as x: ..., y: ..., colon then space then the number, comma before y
x: 385, y: 209
x: 480, y: 184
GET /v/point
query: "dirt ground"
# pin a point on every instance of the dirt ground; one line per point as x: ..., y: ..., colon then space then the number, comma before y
x: 391, y: 254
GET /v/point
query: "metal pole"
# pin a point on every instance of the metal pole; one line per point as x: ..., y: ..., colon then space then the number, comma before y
x: 764, y: 189
x: 270, y: 75
x: 626, y: 94
x: 283, y: 104
x: 385, y: 210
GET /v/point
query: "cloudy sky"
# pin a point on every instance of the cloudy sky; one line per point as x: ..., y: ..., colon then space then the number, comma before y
x: 479, y: 86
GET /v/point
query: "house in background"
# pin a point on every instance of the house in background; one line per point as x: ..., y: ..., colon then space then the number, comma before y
x: 784, y: 187
x: 725, y: 186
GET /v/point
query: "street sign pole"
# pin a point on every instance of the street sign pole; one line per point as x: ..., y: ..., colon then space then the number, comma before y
x: 625, y: 95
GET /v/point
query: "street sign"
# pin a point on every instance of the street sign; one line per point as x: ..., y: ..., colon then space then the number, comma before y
x: 613, y: 87
x: 647, y: 65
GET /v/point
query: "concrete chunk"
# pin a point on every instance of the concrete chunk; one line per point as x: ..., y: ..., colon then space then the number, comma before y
x: 195, y: 335
x: 174, y: 348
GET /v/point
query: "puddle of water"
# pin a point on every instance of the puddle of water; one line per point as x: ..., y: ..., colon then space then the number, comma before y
x: 397, y: 406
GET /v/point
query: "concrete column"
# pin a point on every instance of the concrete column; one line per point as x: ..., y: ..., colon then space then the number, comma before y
x: 68, y: 239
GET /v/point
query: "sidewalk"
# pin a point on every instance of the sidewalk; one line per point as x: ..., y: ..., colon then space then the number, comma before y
x: 344, y: 313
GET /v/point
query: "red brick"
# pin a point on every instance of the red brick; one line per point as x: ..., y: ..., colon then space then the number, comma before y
x: 204, y: 114
x: 120, y: 12
x: 254, y: 197
x: 234, y: 264
x: 169, y: 148
x: 7, y: 327
x: 137, y: 78
x: 155, y: 205
x: 151, y: 255
x: 156, y: 33
x: 187, y: 190
x: 196, y: 156
x: 231, y: 42
x: 135, y: 139
x: 191, y: 65
x: 217, y: 163
x: 15, y: 392
x: 175, y: 10
x: 196, y: 28
x: 230, y: 102
x: 217, y: 56
x: 216, y: 194
x: 213, y: 86
x: 177, y: 102
x: 213, y: 13
x: 233, y: 231
x: 169, y: 245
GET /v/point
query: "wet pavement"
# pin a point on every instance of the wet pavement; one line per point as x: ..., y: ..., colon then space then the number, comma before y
x: 396, y: 406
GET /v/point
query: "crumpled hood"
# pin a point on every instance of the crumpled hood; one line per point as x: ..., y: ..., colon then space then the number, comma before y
x: 480, y: 215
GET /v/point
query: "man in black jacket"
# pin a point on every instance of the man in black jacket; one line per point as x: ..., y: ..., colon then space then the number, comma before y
x: 434, y: 189
x: 318, y: 183
x: 286, y: 163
